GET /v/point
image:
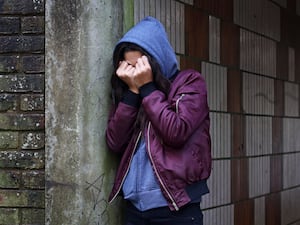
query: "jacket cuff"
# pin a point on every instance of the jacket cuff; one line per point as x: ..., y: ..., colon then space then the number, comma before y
x: 131, y: 98
x: 147, y: 89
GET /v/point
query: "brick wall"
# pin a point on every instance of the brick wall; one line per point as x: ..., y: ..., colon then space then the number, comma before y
x: 22, y: 112
x: 249, y: 53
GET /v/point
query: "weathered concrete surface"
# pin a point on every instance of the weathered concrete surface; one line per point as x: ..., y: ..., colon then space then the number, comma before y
x: 80, y: 36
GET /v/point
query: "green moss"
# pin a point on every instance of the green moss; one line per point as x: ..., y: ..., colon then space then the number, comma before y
x: 128, y: 10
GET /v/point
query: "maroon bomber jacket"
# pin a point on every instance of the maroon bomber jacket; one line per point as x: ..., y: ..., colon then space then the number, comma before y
x: 177, y: 137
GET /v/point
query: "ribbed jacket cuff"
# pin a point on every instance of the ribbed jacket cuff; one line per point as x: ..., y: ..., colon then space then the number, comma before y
x: 131, y: 98
x: 147, y: 89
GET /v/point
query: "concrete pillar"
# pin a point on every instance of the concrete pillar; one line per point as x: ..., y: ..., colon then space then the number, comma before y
x: 80, y: 36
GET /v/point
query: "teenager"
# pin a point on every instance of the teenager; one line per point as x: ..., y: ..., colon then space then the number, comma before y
x: 159, y: 124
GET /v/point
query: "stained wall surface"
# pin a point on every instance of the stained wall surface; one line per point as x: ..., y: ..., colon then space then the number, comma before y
x: 249, y: 53
x: 80, y: 36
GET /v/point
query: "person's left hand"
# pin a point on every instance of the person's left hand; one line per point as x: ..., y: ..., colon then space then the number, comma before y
x: 143, y: 72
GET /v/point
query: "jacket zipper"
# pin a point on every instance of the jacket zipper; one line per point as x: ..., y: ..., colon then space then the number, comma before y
x: 177, y: 102
x: 127, y: 170
x: 156, y: 171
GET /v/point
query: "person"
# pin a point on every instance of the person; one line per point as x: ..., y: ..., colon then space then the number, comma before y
x: 159, y: 124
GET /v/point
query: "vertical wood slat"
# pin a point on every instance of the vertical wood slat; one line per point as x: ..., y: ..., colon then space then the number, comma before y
x: 273, y: 208
x: 234, y: 90
x: 291, y: 172
x: 291, y: 140
x: 244, y: 212
x: 282, y: 61
x: 171, y: 15
x: 258, y: 94
x: 259, y: 176
x: 261, y: 16
x: 220, y: 135
x: 196, y: 31
x: 229, y: 44
x: 219, y: 216
x: 257, y: 54
x: 259, y: 211
x: 220, y: 188
x: 298, y: 7
x: 214, y: 39
x: 216, y: 80
x: 290, y: 201
x: 219, y: 8
x: 258, y: 135
x: 239, y: 179
x: 291, y: 99
x: 276, y: 173
x: 291, y: 59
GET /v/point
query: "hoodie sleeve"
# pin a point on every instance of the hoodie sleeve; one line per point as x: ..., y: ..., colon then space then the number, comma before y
x: 175, y: 120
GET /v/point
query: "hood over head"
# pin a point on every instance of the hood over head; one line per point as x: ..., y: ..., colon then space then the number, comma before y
x: 150, y: 34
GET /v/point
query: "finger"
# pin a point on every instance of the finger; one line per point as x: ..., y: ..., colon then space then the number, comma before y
x: 140, y: 61
x: 122, y: 65
x: 144, y: 60
x: 122, y: 69
x: 130, y: 70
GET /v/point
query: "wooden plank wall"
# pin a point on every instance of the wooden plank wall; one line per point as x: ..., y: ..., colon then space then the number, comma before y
x: 249, y: 53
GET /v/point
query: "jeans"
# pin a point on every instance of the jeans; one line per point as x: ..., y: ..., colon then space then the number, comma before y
x: 188, y: 215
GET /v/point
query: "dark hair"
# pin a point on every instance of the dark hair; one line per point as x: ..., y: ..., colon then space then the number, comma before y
x: 119, y: 87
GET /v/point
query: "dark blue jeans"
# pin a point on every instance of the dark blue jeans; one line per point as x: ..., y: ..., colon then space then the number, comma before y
x: 188, y: 215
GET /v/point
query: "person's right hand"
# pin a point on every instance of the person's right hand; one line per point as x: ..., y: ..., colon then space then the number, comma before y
x: 125, y: 72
